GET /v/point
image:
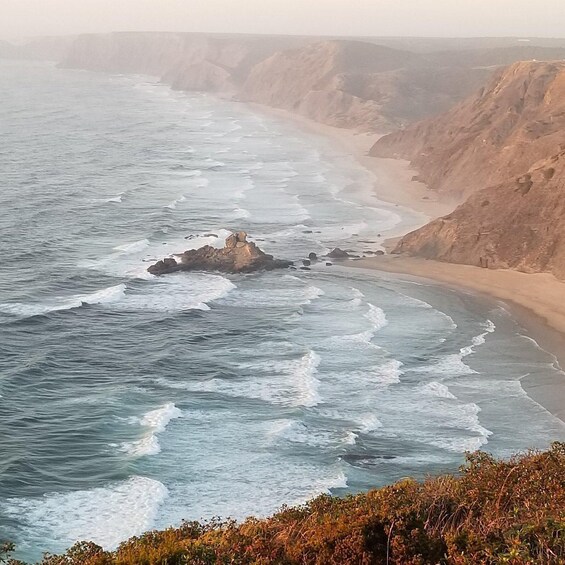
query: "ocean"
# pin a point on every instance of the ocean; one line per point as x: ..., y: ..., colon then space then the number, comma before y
x: 130, y: 402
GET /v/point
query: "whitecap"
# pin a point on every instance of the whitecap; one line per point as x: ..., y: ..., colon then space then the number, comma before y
x: 105, y: 515
x: 303, y: 373
x: 369, y: 423
x: 437, y: 389
x: 134, y: 247
x: 155, y: 422
x: 377, y: 316
x: 453, y: 364
x: 108, y: 295
x: 192, y: 291
x: 172, y: 205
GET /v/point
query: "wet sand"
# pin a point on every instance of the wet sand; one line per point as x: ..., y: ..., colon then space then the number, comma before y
x: 536, y: 301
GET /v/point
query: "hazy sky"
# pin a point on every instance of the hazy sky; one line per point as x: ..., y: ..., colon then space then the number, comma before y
x: 543, y: 18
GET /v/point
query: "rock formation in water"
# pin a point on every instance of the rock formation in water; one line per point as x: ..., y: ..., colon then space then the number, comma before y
x: 505, y: 147
x: 237, y: 256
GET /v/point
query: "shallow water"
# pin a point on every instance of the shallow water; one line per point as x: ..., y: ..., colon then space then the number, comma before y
x: 130, y: 402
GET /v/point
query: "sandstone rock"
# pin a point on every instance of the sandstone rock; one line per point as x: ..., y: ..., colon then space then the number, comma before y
x: 237, y: 256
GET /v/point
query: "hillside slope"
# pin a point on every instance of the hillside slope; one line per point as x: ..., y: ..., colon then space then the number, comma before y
x: 355, y: 84
x: 506, y: 148
x: 187, y: 61
x: 517, y: 224
x: 493, y: 512
x: 518, y: 119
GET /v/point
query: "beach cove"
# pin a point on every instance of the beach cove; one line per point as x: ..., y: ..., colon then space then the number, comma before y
x: 157, y: 399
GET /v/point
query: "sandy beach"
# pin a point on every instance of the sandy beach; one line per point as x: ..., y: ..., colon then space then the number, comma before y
x: 536, y: 301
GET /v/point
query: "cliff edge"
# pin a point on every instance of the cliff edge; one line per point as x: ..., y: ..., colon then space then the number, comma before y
x: 505, y: 147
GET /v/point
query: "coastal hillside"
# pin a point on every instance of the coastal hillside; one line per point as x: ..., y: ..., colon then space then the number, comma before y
x: 364, y: 85
x: 516, y: 224
x: 504, y: 146
x: 494, y: 512
x: 359, y: 85
x: 496, y: 134
x: 199, y: 62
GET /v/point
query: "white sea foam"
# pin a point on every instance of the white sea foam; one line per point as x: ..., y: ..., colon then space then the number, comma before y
x: 357, y: 293
x: 294, y: 431
x: 108, y: 295
x: 453, y: 365
x: 192, y: 291
x: 377, y: 316
x: 466, y: 417
x: 369, y: 423
x: 304, y: 373
x: 241, y: 213
x: 134, y: 247
x: 106, y: 515
x: 378, y: 320
x: 259, y: 298
x: 437, y: 389
x: 172, y: 205
x: 312, y: 292
x: 288, y: 383
x: 154, y: 422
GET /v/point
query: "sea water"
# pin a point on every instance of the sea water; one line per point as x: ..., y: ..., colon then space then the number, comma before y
x: 130, y: 402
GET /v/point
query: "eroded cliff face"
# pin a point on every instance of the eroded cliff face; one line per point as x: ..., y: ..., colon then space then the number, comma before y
x: 517, y: 224
x: 359, y: 85
x: 518, y: 119
x: 350, y: 84
x: 505, y: 147
x: 186, y: 61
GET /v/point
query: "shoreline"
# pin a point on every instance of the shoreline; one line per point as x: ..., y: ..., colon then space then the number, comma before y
x: 533, y: 300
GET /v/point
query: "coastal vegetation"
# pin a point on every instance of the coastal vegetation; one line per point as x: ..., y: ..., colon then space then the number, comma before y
x: 492, y: 512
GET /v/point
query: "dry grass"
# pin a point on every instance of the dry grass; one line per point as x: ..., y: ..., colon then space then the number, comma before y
x: 494, y: 512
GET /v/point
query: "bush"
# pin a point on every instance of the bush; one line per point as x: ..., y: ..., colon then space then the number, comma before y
x: 493, y: 512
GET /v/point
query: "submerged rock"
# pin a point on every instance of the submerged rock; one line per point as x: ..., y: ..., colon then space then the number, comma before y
x: 338, y: 253
x: 237, y: 256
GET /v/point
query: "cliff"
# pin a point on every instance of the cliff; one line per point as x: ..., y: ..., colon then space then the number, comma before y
x: 496, y: 134
x: 361, y: 85
x: 352, y: 84
x: 186, y: 61
x: 516, y: 224
x: 505, y: 147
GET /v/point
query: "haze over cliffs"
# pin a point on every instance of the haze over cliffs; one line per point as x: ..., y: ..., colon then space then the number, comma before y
x: 506, y: 147
x: 499, y: 138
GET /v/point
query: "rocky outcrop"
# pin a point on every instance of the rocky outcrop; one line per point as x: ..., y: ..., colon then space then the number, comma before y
x: 505, y: 147
x: 237, y: 256
x: 518, y: 119
x: 338, y: 253
x: 516, y: 224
